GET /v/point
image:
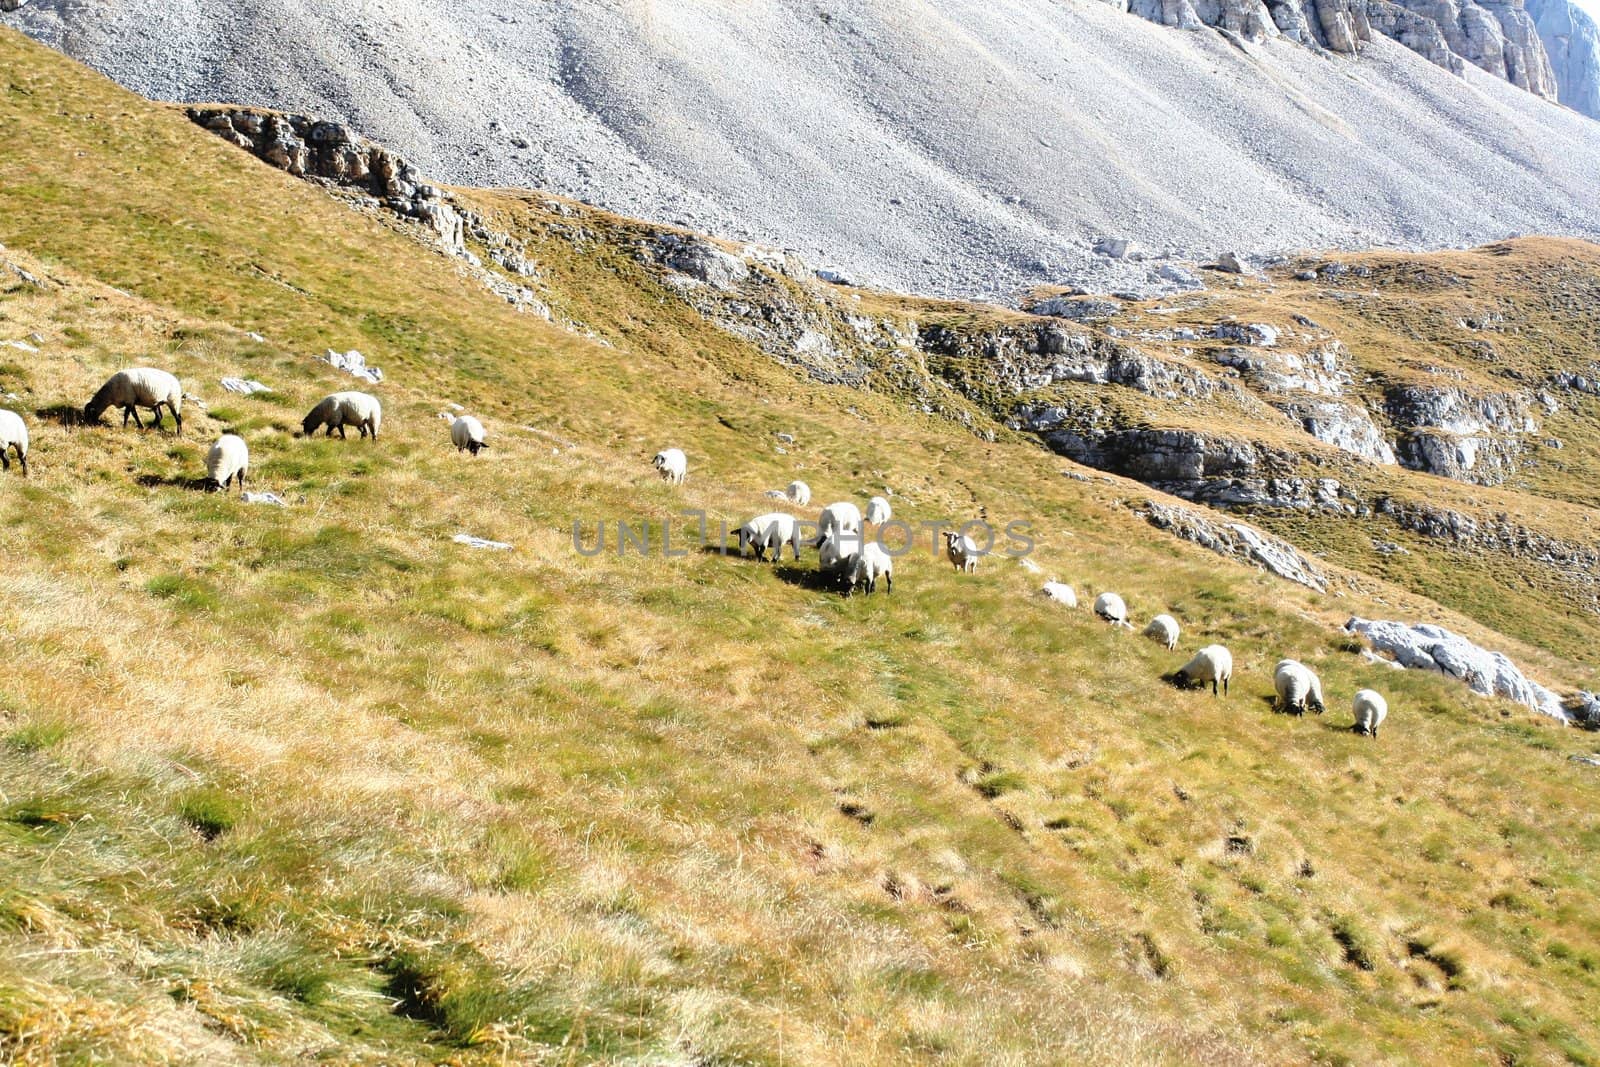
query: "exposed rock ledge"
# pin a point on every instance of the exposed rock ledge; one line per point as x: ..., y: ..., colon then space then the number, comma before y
x: 1238, y: 541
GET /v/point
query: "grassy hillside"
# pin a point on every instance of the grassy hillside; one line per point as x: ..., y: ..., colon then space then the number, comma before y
x: 318, y: 781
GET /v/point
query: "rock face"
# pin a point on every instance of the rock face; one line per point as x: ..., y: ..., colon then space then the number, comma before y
x: 1433, y: 648
x: 1449, y: 431
x: 1238, y: 541
x: 1572, y: 41
x: 1498, y: 36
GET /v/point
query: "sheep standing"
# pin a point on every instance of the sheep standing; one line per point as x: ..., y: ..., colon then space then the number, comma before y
x: 1109, y: 606
x: 1298, y: 687
x: 1370, y: 709
x: 1163, y: 628
x: 1212, y: 664
x: 338, y: 410
x: 871, y: 564
x: 673, y: 465
x: 799, y: 494
x: 1061, y: 593
x: 13, y: 438
x: 771, y: 531
x: 878, y: 511
x: 466, y: 433
x: 227, y: 461
x: 962, y: 551
x: 135, y: 388
x: 843, y: 520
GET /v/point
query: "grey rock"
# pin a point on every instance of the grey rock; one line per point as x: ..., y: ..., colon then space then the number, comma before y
x: 1572, y: 41
x: 1433, y: 648
x: 1238, y: 541
x: 1345, y: 426
x: 1231, y: 263
x: 700, y: 259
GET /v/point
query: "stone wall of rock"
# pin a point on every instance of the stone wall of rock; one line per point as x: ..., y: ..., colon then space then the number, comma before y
x: 1572, y: 41
x: 1498, y: 36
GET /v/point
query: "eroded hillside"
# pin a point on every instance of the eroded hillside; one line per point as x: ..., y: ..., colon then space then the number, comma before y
x: 319, y: 781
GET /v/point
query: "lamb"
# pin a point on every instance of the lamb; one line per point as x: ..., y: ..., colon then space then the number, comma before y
x: 1371, y: 709
x: 878, y: 511
x: 466, y: 433
x: 672, y: 464
x: 872, y: 563
x: 1298, y: 687
x: 227, y: 461
x: 135, y: 388
x: 338, y: 410
x: 799, y: 494
x: 1163, y: 628
x: 13, y: 437
x: 770, y: 531
x: 1212, y: 664
x: 962, y: 551
x: 1109, y: 606
x: 1061, y: 593
x: 843, y: 519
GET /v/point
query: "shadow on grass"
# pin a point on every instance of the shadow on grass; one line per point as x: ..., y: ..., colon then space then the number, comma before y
x: 61, y: 415
x: 172, y: 481
x: 811, y: 578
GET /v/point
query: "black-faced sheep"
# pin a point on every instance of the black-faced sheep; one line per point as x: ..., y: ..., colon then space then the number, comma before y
x: 135, y: 388
x: 338, y: 410
x: 466, y: 433
x: 771, y: 531
x: 672, y: 464
x: 1370, y: 709
x: 1163, y: 628
x: 1212, y: 664
x: 1298, y: 687
x: 13, y: 438
x: 1109, y: 606
x: 227, y: 461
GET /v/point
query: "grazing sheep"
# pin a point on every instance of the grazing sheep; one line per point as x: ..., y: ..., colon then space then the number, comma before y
x: 1371, y: 709
x: 338, y: 410
x: 872, y: 563
x: 878, y: 511
x: 466, y: 433
x: 227, y: 461
x: 135, y: 388
x: 1212, y: 664
x: 13, y: 436
x: 1109, y: 606
x: 836, y: 553
x: 1163, y: 628
x: 770, y: 531
x: 672, y: 464
x: 842, y: 518
x: 1061, y: 593
x: 799, y: 494
x: 962, y: 551
x: 1298, y: 687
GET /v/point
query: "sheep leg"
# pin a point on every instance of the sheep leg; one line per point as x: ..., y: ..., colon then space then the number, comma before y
x: 1225, y: 685
x: 1213, y: 687
x: 888, y: 584
x: 5, y: 463
x: 341, y: 432
x: 131, y: 410
x: 22, y: 457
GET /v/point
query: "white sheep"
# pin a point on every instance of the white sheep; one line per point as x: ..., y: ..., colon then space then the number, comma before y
x: 228, y: 460
x: 672, y: 464
x: 1212, y: 664
x: 1061, y: 593
x: 338, y: 410
x: 1371, y: 709
x: 135, y: 388
x: 837, y: 553
x: 878, y: 511
x: 799, y: 494
x: 1109, y: 606
x: 466, y: 433
x: 1163, y: 628
x: 962, y: 551
x: 1298, y: 687
x: 843, y: 519
x: 771, y: 531
x: 872, y: 563
x: 13, y: 437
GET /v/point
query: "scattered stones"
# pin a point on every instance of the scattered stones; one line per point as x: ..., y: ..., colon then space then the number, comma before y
x: 245, y: 386
x: 1231, y: 263
x: 479, y: 542
x: 354, y: 364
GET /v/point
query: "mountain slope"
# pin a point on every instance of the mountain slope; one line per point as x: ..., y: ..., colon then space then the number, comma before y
x: 951, y: 148
x: 318, y: 781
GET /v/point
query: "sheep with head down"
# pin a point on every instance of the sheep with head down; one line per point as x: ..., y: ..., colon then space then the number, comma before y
x: 13, y: 438
x: 1109, y: 606
x: 878, y: 511
x: 350, y: 408
x: 227, y: 461
x: 1370, y: 710
x: 135, y: 388
x: 1060, y: 592
x: 1213, y: 664
x: 870, y: 564
x: 1298, y: 687
x: 798, y: 493
x: 1164, y: 629
x: 466, y: 433
x: 770, y: 532
x: 672, y: 464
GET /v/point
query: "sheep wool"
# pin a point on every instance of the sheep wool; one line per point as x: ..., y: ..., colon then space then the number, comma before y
x: 338, y: 410
x: 673, y: 465
x: 1370, y: 710
x: 135, y: 388
x: 227, y: 461
x: 13, y: 438
x: 466, y: 433
x: 1163, y: 628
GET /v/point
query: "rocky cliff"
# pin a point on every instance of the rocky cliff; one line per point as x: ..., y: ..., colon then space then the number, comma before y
x: 1572, y: 41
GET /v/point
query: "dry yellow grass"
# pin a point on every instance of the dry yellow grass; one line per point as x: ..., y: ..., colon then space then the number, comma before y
x: 319, y: 782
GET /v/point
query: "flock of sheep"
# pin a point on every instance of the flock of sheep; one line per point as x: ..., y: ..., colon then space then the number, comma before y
x: 846, y: 555
x: 843, y: 552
